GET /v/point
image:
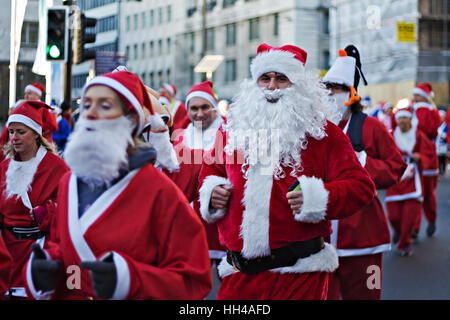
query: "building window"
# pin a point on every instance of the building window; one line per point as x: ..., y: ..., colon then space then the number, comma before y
x: 169, y: 13
x: 143, y: 20
x: 151, y: 48
x: 276, y: 24
x: 106, y: 24
x: 143, y: 53
x: 210, y: 39
x: 135, y: 51
x: 231, y: 34
x: 29, y: 36
x: 228, y: 3
x: 152, y: 79
x: 79, y: 80
x: 253, y: 33
x: 152, y: 18
x: 160, y: 79
x: 136, y: 21
x: 230, y: 70
x: 160, y: 15
x: 326, y: 60
x: 191, y: 75
x: 127, y: 52
x: 160, y: 45
x: 168, y: 76
x: 192, y: 46
x: 168, y: 45
x: 143, y: 78
x: 128, y: 23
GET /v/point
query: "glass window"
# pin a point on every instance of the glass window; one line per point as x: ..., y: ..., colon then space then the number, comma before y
x: 276, y: 24
x: 135, y: 18
x: 231, y: 34
x: 152, y: 18
x: 210, y: 39
x: 143, y: 20
x: 253, y: 29
x: 169, y: 13
x: 230, y: 70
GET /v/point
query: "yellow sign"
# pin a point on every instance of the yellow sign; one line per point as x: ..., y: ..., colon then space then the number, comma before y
x: 406, y: 32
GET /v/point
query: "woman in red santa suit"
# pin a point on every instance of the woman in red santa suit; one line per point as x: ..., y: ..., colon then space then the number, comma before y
x: 404, y: 200
x: 277, y: 135
x: 427, y: 119
x: 362, y: 238
x: 29, y: 178
x: 190, y: 146
x: 119, y: 219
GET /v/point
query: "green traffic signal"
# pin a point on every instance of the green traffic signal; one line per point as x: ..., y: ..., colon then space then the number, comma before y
x: 54, y: 52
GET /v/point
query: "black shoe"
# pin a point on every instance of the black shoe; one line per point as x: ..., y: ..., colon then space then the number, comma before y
x: 431, y: 229
x: 415, y: 234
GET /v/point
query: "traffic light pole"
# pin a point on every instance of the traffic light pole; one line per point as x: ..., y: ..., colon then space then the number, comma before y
x: 68, y: 73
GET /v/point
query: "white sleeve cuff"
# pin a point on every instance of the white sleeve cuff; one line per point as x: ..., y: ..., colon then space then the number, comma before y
x: 123, y: 278
x: 210, y: 182
x: 38, y: 295
x: 315, y: 200
x: 362, y: 158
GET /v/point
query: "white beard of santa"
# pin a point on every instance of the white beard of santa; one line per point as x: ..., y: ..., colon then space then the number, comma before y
x: 405, y: 140
x: 255, y: 125
x: 96, y: 150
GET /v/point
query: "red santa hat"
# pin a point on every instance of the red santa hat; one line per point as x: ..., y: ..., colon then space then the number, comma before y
x: 424, y: 89
x: 132, y: 92
x: 288, y: 60
x: 36, y: 87
x: 29, y: 113
x: 171, y: 88
x: 386, y: 106
x: 405, y: 112
x: 203, y: 90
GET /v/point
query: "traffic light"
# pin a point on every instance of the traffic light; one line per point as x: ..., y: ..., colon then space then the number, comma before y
x: 57, y: 34
x: 80, y: 38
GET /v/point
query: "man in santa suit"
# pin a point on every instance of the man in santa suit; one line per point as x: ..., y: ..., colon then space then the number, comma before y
x: 276, y: 135
x: 361, y: 239
x: 176, y: 107
x: 404, y: 200
x: 190, y: 145
x: 426, y: 118
x: 29, y: 178
x: 119, y: 219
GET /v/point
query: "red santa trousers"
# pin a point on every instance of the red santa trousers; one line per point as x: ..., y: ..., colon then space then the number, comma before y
x: 350, y: 280
x: 429, y: 199
x: 270, y: 285
x: 403, y: 217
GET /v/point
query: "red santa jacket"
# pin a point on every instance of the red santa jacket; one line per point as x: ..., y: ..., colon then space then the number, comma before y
x: 427, y: 119
x: 190, y: 145
x: 179, y: 112
x: 367, y: 232
x: 411, y: 184
x: 158, y: 242
x: 259, y: 217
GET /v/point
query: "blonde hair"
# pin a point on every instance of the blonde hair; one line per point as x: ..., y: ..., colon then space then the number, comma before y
x: 8, y: 149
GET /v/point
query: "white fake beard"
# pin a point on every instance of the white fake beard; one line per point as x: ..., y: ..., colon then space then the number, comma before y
x: 282, y: 127
x: 97, y: 149
x: 165, y: 153
x: 20, y: 174
x: 339, y: 100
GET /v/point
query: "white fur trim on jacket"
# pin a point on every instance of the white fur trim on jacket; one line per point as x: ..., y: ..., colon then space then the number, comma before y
x: 315, y: 200
x: 277, y: 61
x: 326, y: 260
x: 123, y: 277
x: 205, y: 192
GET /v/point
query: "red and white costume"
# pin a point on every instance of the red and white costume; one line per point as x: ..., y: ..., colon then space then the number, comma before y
x: 404, y: 200
x: 259, y: 217
x: 427, y: 119
x: 190, y: 146
x: 361, y: 238
x: 26, y: 185
x: 143, y: 219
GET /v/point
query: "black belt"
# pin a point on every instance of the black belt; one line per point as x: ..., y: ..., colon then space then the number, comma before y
x: 280, y: 257
x: 26, y: 233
